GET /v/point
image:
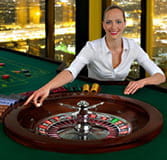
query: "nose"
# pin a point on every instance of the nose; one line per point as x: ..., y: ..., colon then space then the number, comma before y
x: 114, y: 25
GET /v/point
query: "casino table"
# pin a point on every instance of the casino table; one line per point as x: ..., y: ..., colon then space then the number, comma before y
x: 41, y: 71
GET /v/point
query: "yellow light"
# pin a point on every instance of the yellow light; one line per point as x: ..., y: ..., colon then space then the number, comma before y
x: 37, y: 13
x: 130, y: 22
x: 157, y: 21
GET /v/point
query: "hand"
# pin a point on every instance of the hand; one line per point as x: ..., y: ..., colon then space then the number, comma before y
x: 133, y: 86
x: 38, y: 97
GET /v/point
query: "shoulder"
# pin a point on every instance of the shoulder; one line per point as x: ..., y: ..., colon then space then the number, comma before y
x: 132, y: 45
x: 96, y: 43
x: 91, y: 48
x: 130, y: 42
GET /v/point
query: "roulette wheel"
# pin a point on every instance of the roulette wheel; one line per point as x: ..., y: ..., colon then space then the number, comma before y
x: 83, y: 122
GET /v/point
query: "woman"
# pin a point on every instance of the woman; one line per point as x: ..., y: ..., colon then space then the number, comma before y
x: 108, y: 58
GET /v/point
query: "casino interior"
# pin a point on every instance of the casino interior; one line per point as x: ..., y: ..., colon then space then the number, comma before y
x: 58, y: 29
x: 85, y: 119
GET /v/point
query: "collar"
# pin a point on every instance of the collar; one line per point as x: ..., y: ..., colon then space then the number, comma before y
x: 125, y: 45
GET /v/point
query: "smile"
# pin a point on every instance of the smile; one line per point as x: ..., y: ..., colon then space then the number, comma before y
x: 113, y: 33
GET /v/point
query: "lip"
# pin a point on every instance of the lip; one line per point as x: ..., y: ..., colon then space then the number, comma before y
x: 113, y: 33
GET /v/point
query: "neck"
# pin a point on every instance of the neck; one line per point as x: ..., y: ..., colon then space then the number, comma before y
x: 114, y: 44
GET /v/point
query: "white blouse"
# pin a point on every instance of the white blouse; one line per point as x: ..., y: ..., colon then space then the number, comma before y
x: 98, y: 58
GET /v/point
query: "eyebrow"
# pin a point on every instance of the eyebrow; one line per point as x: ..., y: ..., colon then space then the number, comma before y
x: 113, y: 20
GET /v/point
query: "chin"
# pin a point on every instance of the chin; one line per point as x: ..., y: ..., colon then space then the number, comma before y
x: 114, y: 37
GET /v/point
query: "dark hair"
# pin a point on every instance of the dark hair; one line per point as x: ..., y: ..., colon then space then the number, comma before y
x: 114, y: 7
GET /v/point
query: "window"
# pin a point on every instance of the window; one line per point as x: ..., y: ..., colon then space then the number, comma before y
x: 65, y: 30
x: 22, y: 25
x: 157, y: 36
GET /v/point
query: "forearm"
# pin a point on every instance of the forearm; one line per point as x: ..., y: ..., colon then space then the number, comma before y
x: 39, y: 95
x: 61, y: 79
x: 155, y: 79
x: 133, y: 86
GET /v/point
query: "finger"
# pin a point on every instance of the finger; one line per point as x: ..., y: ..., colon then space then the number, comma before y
x: 132, y: 89
x: 135, y: 89
x: 36, y: 101
x: 132, y: 83
x: 129, y: 88
x: 28, y: 100
x: 40, y: 102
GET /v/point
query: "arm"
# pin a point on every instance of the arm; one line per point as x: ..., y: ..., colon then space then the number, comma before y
x: 155, y: 79
x: 156, y: 74
x: 62, y: 78
x: 41, y: 94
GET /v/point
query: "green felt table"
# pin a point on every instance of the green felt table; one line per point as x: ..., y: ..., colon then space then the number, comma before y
x: 41, y: 72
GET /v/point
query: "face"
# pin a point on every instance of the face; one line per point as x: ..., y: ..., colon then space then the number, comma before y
x: 114, y: 23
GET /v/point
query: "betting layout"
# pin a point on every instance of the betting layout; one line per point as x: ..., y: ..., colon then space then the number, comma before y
x: 13, y: 74
x: 19, y: 71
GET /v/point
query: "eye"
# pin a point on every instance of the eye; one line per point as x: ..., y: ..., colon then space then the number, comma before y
x: 108, y: 22
x: 118, y: 21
